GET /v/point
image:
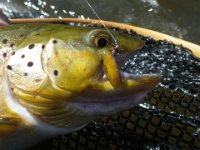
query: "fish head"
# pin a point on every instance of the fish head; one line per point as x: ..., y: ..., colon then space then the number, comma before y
x: 76, y: 62
x: 78, y: 66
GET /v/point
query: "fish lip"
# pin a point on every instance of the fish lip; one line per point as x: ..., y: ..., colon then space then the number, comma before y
x: 146, y: 82
x: 100, y: 103
x: 107, y: 107
x: 120, y: 60
x: 101, y: 75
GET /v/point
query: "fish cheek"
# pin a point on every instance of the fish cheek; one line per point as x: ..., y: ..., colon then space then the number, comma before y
x: 72, y: 70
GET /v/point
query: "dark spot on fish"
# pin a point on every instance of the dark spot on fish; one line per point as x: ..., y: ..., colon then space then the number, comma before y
x: 43, y: 46
x: 9, y: 67
x: 12, y: 45
x: 31, y: 46
x: 30, y: 64
x: 66, y: 28
x: 23, y: 56
x: 38, y: 80
x: 21, y: 35
x: 4, y: 55
x: 25, y: 74
x: 55, y: 41
x: 5, y: 41
x: 11, y: 89
x: 55, y: 72
x: 13, y: 53
x: 37, y: 34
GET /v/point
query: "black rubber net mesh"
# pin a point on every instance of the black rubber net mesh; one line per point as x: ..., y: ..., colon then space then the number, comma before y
x: 167, y: 118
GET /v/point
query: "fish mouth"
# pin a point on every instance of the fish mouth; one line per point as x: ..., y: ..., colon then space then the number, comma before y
x: 102, y: 90
x: 111, y: 84
x: 121, y: 80
x: 114, y: 90
x: 102, y: 98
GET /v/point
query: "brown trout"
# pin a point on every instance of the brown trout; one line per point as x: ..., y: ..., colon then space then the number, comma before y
x: 167, y: 118
x: 55, y: 79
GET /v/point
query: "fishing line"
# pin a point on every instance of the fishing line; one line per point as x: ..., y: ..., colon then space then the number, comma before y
x: 115, y: 41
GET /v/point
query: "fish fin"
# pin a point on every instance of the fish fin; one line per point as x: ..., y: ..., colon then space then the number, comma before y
x: 8, y: 124
x: 3, y: 19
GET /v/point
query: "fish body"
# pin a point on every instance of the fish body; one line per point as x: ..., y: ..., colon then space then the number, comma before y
x: 55, y: 79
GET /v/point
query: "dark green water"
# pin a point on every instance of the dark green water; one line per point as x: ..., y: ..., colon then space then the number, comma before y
x: 179, y: 18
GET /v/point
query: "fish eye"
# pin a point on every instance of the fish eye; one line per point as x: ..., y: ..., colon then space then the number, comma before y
x: 99, y: 38
x: 102, y: 41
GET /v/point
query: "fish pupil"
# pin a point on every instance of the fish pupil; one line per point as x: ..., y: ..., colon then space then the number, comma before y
x: 102, y: 42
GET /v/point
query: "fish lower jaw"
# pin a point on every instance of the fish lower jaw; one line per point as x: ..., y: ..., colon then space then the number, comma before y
x: 129, y: 83
x: 99, y: 107
x: 102, y: 98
